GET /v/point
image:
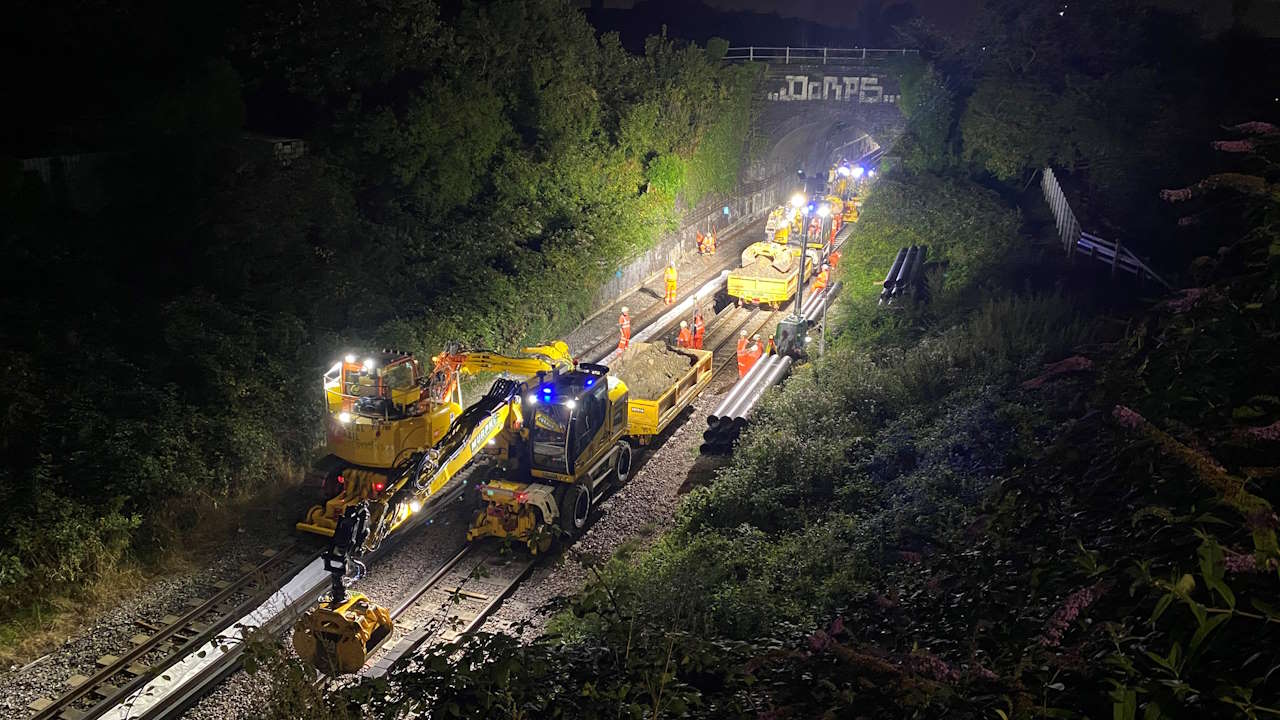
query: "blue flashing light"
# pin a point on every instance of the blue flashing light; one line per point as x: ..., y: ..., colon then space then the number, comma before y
x: 590, y: 382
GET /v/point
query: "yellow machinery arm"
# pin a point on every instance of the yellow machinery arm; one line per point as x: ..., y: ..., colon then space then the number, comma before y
x: 429, y: 471
x: 339, y: 637
x: 540, y: 358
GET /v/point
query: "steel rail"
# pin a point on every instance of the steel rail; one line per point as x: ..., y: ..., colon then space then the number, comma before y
x: 121, y: 699
x: 121, y: 676
x: 465, y: 598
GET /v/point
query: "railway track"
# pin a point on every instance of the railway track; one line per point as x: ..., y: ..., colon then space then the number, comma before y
x: 454, y: 601
x: 158, y: 645
x: 459, y: 596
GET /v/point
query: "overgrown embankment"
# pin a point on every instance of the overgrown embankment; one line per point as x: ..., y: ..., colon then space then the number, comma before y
x: 1037, y: 495
x: 1015, y: 504
x: 470, y: 177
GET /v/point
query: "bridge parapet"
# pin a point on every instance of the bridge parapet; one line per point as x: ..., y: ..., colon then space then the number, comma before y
x: 815, y: 56
x: 847, y: 75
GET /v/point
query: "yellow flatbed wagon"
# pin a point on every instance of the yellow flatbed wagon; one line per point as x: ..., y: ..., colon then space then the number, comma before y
x: 770, y: 283
x: 646, y: 418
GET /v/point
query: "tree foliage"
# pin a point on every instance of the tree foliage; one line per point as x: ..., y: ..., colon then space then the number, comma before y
x: 472, y: 176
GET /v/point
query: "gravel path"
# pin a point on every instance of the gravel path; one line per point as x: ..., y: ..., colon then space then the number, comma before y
x: 110, y: 632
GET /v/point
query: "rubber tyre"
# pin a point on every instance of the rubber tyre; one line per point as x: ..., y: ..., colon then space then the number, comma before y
x: 575, y: 508
x: 622, y: 463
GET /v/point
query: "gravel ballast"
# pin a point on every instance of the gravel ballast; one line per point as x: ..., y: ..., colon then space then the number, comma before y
x: 110, y: 632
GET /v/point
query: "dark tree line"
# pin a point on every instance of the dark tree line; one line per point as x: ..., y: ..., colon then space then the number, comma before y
x: 471, y: 175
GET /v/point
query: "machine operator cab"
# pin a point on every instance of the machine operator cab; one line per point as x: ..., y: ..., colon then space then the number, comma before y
x: 569, y: 413
x: 384, y: 385
x: 577, y: 424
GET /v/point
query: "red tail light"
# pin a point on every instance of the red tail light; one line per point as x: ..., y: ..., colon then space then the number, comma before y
x: 379, y: 486
x: 341, y: 480
x: 522, y: 497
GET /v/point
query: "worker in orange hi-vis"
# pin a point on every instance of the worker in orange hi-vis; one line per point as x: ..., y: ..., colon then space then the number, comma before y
x: 754, y: 351
x: 624, y: 328
x: 834, y: 259
x: 702, y: 243
x: 699, y: 329
x: 820, y: 282
x: 670, y: 277
x: 711, y: 243
x: 685, y: 338
x: 743, y: 364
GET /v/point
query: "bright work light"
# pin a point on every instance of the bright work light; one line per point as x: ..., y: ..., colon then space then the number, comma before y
x: 797, y: 200
x: 843, y: 170
x: 857, y: 172
x: 824, y: 210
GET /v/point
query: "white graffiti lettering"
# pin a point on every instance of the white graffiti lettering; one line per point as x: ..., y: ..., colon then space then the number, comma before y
x: 846, y: 88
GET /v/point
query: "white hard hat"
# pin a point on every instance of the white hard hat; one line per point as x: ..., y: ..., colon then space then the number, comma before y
x: 626, y: 309
x: 743, y: 333
x: 684, y: 324
x: 755, y: 337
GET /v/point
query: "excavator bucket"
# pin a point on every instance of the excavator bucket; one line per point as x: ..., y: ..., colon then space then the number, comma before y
x: 340, y: 640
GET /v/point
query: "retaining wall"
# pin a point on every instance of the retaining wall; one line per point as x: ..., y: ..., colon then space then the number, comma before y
x: 752, y: 202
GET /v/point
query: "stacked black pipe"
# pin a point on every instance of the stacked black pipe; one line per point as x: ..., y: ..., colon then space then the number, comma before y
x: 904, y: 274
x: 726, y: 422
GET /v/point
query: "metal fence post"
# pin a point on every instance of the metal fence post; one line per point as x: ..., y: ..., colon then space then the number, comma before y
x: 788, y: 60
x: 824, y: 56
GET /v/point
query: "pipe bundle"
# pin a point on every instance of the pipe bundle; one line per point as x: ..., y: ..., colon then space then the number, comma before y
x: 904, y: 274
x: 726, y: 422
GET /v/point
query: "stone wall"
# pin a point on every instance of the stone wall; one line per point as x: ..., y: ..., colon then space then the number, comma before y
x: 753, y: 202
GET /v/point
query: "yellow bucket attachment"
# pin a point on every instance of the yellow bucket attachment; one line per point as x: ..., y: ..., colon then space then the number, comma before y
x: 340, y: 640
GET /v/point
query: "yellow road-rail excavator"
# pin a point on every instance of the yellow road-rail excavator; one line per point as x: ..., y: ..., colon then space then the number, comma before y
x: 384, y: 409
x: 341, y: 633
x: 556, y: 441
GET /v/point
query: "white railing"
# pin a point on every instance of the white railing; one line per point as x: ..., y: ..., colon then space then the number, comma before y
x: 1076, y: 240
x: 810, y: 55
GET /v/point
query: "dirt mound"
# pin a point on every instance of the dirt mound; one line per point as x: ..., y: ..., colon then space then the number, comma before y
x: 649, y: 369
x: 763, y: 268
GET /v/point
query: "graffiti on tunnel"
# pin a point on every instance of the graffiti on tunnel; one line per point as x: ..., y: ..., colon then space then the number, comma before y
x: 841, y: 88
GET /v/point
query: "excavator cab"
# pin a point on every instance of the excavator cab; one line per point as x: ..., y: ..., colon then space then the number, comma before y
x: 576, y: 425
x: 381, y: 409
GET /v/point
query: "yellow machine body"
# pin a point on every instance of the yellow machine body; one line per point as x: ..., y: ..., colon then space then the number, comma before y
x: 852, y: 209
x: 772, y: 290
x: 404, y: 412
x: 339, y: 640
x: 579, y: 429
